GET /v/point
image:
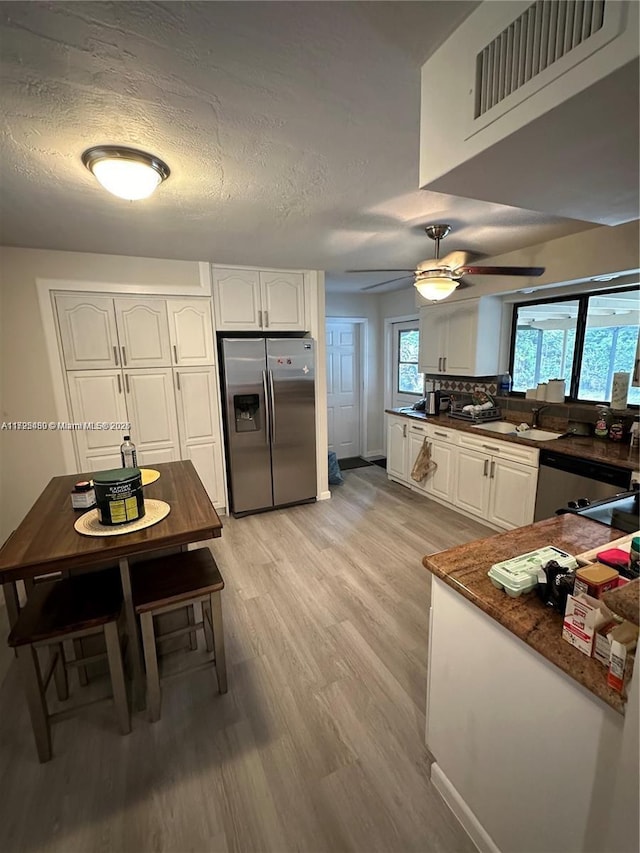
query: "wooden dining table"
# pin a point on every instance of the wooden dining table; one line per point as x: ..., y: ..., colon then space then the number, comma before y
x: 46, y: 542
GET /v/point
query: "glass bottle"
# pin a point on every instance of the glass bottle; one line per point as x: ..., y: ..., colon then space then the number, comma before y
x: 128, y: 453
x: 603, y: 419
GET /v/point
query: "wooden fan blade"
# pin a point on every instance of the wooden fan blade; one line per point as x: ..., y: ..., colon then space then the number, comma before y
x: 529, y: 271
x: 395, y: 269
x: 390, y: 281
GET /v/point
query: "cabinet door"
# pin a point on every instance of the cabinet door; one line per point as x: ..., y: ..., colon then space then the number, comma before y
x: 191, y: 332
x: 236, y: 299
x: 440, y: 482
x: 283, y: 301
x: 143, y: 332
x: 88, y: 332
x: 397, y: 448
x: 459, y: 348
x: 151, y: 407
x: 433, y: 324
x: 415, y: 441
x: 97, y: 396
x: 471, y: 482
x: 199, y: 425
x: 513, y: 493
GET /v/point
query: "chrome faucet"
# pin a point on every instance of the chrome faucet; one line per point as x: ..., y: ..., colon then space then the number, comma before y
x: 535, y: 416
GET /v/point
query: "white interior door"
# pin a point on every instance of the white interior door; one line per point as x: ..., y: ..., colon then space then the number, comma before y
x: 343, y: 388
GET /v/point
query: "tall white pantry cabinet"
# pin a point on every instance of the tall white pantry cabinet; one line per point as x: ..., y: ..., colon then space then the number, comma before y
x: 150, y: 362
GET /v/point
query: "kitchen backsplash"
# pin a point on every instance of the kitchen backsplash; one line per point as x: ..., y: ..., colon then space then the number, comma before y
x: 463, y: 384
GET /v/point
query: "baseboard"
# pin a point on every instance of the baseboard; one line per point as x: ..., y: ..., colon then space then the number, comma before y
x: 324, y: 496
x: 461, y: 811
x: 374, y: 454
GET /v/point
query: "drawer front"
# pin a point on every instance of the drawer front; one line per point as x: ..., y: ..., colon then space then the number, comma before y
x: 438, y: 433
x: 504, y: 449
x: 417, y: 429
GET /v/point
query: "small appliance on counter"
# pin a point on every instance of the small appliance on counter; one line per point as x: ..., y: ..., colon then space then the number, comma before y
x: 432, y: 403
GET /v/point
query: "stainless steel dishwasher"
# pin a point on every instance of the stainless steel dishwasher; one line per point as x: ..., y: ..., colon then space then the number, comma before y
x: 567, y: 478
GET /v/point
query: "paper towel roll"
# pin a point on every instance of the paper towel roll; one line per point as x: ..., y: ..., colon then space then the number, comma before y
x: 619, y: 390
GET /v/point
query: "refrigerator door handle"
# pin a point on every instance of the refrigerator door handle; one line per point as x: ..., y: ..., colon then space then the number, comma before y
x: 272, y: 406
x: 267, y: 420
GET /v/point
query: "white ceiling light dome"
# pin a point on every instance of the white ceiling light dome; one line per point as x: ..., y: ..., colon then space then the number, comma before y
x: 126, y: 172
x: 435, y: 284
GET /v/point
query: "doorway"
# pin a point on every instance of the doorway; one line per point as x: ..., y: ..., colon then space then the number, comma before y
x: 344, y: 386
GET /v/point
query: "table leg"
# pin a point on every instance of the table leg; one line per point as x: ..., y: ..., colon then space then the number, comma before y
x: 12, y: 601
x: 134, y: 651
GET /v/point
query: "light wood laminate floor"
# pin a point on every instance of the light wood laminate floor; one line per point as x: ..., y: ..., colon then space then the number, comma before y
x: 319, y: 743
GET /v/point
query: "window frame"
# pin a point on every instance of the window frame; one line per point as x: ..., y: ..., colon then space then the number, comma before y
x: 412, y: 326
x: 581, y: 328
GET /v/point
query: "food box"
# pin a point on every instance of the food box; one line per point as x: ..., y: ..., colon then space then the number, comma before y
x: 520, y: 574
x: 582, y: 618
x: 621, y: 632
x: 595, y: 579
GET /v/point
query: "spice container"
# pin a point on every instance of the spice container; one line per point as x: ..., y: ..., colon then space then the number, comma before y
x: 83, y: 495
x: 616, y: 430
x: 603, y: 419
x: 595, y: 579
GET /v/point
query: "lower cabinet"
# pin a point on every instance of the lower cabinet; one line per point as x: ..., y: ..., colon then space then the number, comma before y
x: 494, y: 482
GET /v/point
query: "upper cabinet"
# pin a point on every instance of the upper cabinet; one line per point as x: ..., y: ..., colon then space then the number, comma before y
x: 248, y: 300
x: 98, y: 332
x: 191, y: 332
x: 461, y: 338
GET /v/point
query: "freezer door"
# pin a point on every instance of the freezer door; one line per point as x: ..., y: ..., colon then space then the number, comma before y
x: 247, y: 424
x: 291, y: 368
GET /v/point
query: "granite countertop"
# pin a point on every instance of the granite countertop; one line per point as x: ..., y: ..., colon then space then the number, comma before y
x: 584, y: 447
x: 625, y: 601
x: 465, y: 569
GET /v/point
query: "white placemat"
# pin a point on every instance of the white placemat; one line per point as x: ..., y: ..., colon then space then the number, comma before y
x: 89, y: 523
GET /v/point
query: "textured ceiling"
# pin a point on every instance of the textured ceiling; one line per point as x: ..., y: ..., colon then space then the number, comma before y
x: 291, y: 131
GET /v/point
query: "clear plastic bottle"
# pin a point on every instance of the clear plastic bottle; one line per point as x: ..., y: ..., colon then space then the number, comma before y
x: 504, y: 386
x: 128, y: 453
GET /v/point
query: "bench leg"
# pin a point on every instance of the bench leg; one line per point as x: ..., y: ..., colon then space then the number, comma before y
x: 218, y: 641
x: 208, y: 624
x: 82, y: 670
x: 12, y: 601
x: 151, y: 665
x: 32, y: 680
x: 60, y: 672
x: 116, y: 671
x: 193, y: 637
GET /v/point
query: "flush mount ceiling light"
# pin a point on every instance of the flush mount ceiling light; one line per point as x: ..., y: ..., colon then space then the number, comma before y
x: 125, y: 172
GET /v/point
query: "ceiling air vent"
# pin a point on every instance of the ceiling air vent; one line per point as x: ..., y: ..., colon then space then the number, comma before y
x: 542, y: 35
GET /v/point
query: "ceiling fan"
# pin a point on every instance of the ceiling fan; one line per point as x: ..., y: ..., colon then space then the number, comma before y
x: 438, y: 277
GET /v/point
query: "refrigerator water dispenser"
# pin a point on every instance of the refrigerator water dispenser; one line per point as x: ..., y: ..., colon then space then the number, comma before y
x: 247, y: 412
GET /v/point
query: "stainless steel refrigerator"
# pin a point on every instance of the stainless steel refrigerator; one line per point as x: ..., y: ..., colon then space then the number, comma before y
x: 270, y: 421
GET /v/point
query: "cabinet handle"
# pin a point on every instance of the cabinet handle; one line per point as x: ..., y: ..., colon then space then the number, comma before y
x: 124, y: 357
x: 115, y: 355
x: 494, y: 449
x: 439, y: 363
x: 441, y: 434
x: 404, y: 430
x: 493, y: 469
x: 260, y: 318
x: 444, y: 364
x: 417, y: 428
x: 266, y: 319
x: 175, y: 354
x: 126, y: 382
x: 486, y: 467
x: 178, y: 379
x: 119, y: 385
x: 636, y: 371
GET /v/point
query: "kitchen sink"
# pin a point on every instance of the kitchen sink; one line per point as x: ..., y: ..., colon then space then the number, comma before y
x: 497, y: 426
x: 506, y: 428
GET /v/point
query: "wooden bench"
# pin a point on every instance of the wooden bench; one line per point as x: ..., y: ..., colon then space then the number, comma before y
x: 68, y: 609
x: 165, y: 584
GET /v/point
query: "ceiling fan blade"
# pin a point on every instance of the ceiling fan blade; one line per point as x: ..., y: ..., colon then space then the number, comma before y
x: 468, y: 270
x: 390, y: 281
x: 394, y: 269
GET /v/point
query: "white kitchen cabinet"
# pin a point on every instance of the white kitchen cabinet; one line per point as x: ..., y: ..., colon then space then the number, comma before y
x: 439, y: 483
x: 151, y: 409
x: 143, y: 332
x: 246, y: 300
x: 98, y: 396
x: 417, y: 434
x: 190, y: 332
x: 87, y: 331
x: 513, y: 493
x: 471, y: 483
x: 461, y: 338
x: 397, y: 438
x: 199, y: 426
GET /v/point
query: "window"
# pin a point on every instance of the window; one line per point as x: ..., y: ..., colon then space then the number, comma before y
x: 583, y: 340
x: 409, y: 379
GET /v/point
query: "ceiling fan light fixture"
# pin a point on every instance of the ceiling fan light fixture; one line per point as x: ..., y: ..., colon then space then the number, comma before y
x: 435, y: 287
x: 126, y: 172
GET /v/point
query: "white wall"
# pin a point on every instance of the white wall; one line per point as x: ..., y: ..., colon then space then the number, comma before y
x: 30, y: 458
